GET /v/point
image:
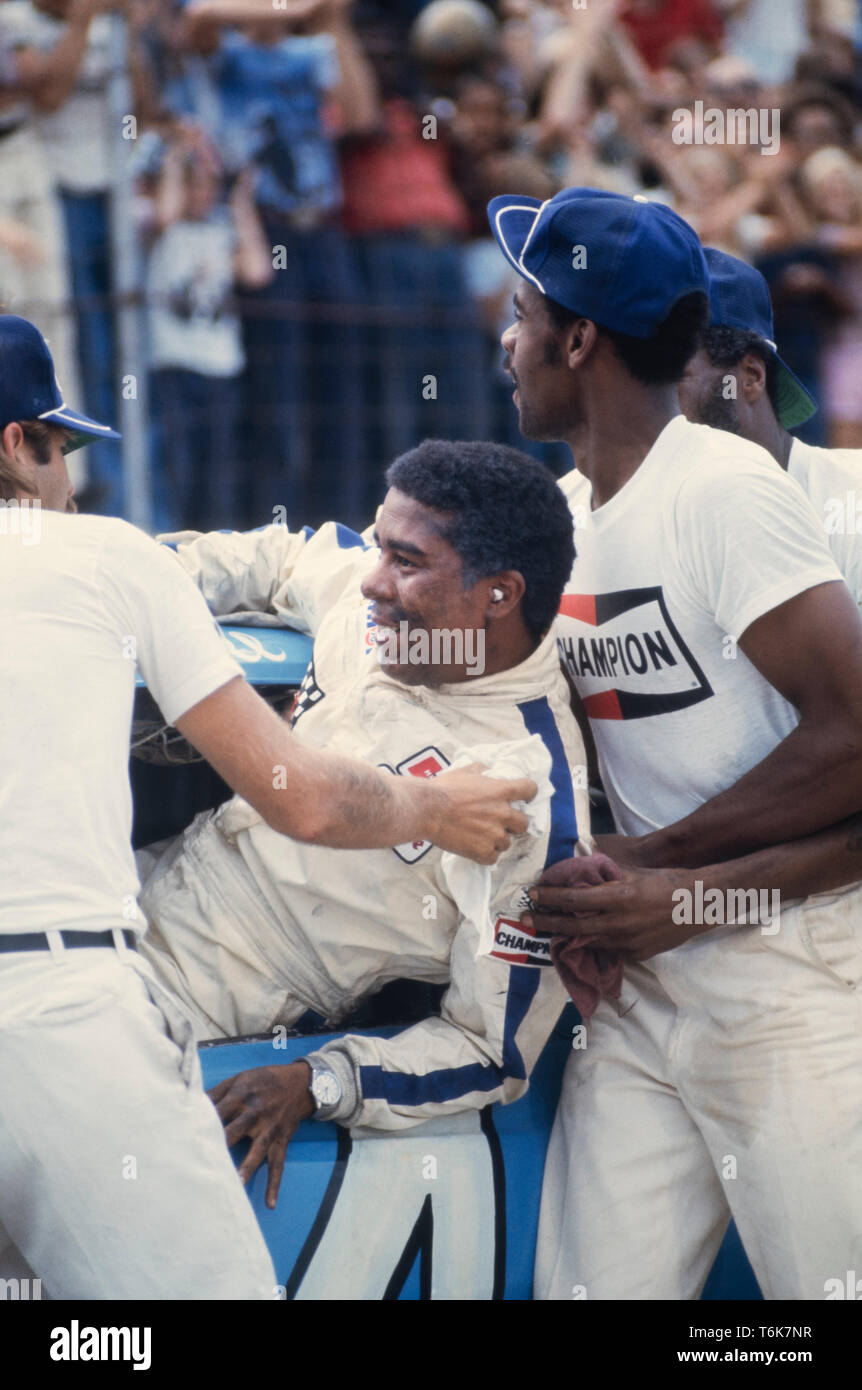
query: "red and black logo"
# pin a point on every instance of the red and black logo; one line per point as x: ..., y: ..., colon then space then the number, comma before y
x: 426, y: 763
x: 626, y: 656
x: 520, y: 945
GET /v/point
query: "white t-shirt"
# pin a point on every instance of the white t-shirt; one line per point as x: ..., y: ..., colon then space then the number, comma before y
x: 190, y: 287
x: 832, y: 480
x: 706, y: 537
x: 75, y: 137
x: 80, y: 598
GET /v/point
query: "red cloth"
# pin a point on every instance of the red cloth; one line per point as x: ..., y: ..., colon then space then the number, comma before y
x: 656, y: 29
x: 398, y: 181
x: 589, y: 973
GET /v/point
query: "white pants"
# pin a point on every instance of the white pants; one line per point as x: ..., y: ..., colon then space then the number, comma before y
x: 730, y: 1084
x: 115, y: 1180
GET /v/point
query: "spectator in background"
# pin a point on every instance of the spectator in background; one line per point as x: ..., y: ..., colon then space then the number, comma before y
x: 287, y: 83
x: 204, y: 246
x: 656, y: 27
x: 816, y: 117
x: 424, y: 351
x: 832, y: 181
x: 771, y: 42
x: 33, y: 254
x: 490, y: 157
x: 73, y: 122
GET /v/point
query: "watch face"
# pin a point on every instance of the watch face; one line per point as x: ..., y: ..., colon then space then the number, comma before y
x: 325, y: 1088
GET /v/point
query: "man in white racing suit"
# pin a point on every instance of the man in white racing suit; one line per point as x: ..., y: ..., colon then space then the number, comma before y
x: 251, y: 928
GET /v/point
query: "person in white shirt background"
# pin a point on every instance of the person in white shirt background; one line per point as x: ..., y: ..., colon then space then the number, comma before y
x: 737, y: 381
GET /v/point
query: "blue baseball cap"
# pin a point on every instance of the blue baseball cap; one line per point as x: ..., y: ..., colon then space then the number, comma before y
x: 29, y: 389
x: 622, y: 262
x: 739, y: 298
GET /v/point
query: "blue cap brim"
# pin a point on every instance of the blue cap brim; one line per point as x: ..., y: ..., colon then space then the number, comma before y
x: 84, y: 430
x: 512, y: 217
x: 793, y: 405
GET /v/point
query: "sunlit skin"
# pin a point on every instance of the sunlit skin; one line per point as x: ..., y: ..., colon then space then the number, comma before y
x: 419, y: 580
x: 51, y: 480
x: 569, y: 386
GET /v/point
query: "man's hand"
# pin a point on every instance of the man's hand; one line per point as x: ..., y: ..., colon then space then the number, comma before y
x: 265, y: 1105
x: 632, y: 914
x: 475, y: 817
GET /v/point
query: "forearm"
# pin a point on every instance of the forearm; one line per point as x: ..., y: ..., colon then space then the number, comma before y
x: 341, y: 802
x: 816, y: 864
x: 812, y: 780
x: 170, y: 192
x: 253, y: 266
x: 49, y: 77
x: 357, y: 92
x: 201, y: 12
x: 309, y: 793
x: 238, y: 572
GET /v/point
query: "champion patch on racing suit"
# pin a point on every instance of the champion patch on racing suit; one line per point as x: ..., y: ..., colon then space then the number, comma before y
x: 520, y: 945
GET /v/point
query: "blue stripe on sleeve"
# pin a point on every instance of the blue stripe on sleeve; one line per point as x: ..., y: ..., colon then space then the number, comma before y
x: 402, y: 1088
x: 347, y: 538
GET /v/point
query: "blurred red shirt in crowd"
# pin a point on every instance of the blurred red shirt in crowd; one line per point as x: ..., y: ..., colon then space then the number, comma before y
x: 654, y: 26
x: 398, y: 181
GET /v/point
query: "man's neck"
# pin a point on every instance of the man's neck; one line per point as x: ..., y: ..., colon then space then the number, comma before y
x: 614, y: 438
x: 772, y: 437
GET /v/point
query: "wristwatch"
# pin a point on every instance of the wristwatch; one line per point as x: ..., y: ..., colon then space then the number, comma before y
x: 325, y: 1089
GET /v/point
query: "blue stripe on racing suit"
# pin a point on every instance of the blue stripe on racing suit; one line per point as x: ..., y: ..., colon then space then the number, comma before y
x: 400, y: 1088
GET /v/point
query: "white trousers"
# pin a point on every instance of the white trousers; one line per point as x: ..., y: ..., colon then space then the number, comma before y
x: 115, y: 1180
x: 727, y: 1081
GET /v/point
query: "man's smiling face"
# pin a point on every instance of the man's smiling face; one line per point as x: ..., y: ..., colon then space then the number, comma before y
x: 419, y: 581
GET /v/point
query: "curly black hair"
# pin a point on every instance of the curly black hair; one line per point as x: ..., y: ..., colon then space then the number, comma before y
x: 505, y: 512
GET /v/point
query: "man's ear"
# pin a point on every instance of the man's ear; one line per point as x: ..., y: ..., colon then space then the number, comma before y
x: 505, y: 592
x: 581, y: 339
x: 752, y: 377
x: 12, y: 438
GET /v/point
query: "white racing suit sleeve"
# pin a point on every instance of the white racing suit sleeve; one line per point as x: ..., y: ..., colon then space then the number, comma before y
x: 495, y: 1020
x: 273, y: 577
x: 497, y: 1013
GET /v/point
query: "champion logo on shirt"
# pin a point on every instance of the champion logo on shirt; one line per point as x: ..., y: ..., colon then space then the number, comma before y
x: 625, y: 655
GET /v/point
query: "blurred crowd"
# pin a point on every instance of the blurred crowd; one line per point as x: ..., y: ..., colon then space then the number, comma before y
x: 305, y: 182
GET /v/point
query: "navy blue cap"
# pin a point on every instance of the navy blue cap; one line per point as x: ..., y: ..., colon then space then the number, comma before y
x: 636, y: 258
x: 29, y: 389
x: 739, y: 298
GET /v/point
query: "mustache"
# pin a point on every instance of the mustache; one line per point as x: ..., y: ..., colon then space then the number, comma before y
x: 390, y: 619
